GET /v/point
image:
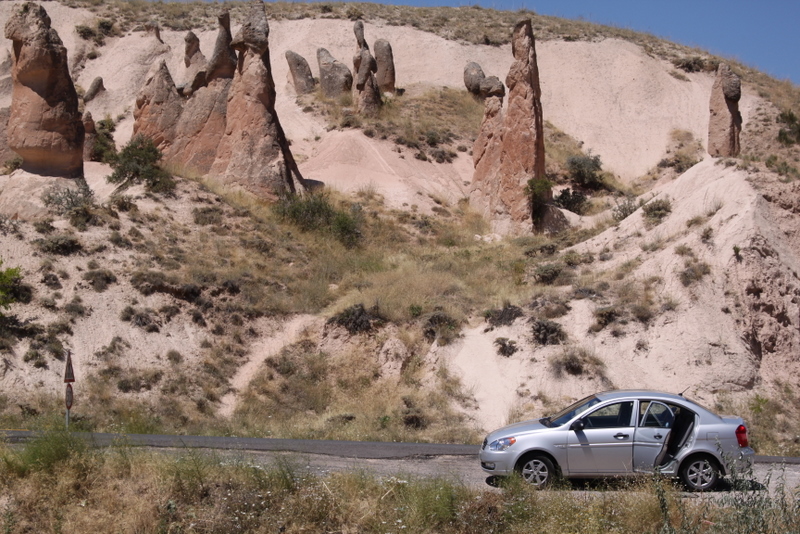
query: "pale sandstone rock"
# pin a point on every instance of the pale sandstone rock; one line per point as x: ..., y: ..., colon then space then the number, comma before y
x: 302, y: 79
x: 385, y: 76
x: 195, y: 63
x: 725, y: 121
x: 509, y: 149
x: 366, y: 91
x: 254, y: 152
x: 44, y: 126
x: 91, y: 136
x: 94, y: 89
x: 334, y: 77
x: 158, y: 107
x: 473, y: 76
x: 223, y: 60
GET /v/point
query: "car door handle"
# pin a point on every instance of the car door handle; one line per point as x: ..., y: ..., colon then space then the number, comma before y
x: 621, y: 436
x: 658, y: 436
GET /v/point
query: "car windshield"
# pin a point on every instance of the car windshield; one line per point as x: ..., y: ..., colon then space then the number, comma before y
x: 565, y: 415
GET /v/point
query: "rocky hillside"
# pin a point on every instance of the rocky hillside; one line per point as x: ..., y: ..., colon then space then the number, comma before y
x: 211, y: 310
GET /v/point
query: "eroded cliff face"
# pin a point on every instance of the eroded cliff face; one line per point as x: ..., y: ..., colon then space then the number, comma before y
x: 227, y: 127
x: 44, y: 126
x: 509, y: 149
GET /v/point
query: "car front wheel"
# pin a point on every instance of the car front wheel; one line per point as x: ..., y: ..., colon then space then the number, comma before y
x: 700, y: 474
x: 537, y: 470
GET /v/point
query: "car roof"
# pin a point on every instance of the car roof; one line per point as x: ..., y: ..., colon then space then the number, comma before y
x: 639, y: 393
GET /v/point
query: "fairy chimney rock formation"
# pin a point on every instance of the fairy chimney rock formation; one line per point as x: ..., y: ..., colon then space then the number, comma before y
x: 94, y: 89
x: 725, y: 121
x: 45, y: 127
x: 254, y: 152
x: 367, y: 93
x: 509, y: 149
x: 334, y: 77
x: 91, y: 136
x: 195, y: 63
x: 223, y: 60
x: 158, y: 107
x: 385, y: 75
x: 300, y: 72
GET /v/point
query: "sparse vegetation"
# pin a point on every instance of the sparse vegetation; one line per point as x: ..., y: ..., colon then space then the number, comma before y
x: 546, y: 332
x: 584, y: 170
x: 577, y: 361
x: 137, y: 163
x: 657, y: 209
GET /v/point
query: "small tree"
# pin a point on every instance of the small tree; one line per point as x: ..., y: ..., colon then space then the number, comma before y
x: 9, y: 280
x: 540, y: 192
x: 585, y: 170
x: 137, y: 163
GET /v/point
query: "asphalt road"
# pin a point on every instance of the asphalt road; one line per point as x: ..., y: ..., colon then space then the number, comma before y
x: 458, y: 462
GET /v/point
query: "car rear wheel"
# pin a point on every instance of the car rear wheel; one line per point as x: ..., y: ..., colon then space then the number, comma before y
x: 700, y: 473
x: 537, y: 470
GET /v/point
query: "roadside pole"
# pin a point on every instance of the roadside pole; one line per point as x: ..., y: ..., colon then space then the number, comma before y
x: 69, y: 377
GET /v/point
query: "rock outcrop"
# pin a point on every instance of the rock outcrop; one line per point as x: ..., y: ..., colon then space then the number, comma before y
x: 300, y: 72
x: 473, y: 76
x: 385, y: 59
x: 725, y: 121
x: 158, y: 107
x: 254, y: 152
x: 223, y: 61
x: 509, y: 149
x: 91, y: 136
x: 45, y: 126
x: 366, y: 91
x: 334, y: 77
x: 479, y: 84
x: 94, y: 89
x: 195, y: 63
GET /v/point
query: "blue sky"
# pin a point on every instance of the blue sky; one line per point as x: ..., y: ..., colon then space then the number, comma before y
x: 764, y: 34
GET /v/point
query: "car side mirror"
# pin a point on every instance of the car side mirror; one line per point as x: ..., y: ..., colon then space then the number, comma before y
x: 577, y: 426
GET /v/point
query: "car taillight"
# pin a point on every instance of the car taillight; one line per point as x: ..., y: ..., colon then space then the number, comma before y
x: 741, y: 436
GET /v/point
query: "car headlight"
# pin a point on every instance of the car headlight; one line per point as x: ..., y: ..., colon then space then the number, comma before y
x: 502, y: 444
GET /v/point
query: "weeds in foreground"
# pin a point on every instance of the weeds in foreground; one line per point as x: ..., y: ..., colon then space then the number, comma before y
x: 145, y: 492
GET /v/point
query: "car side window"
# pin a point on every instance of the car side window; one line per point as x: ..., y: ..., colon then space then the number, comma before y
x: 655, y: 415
x: 611, y: 416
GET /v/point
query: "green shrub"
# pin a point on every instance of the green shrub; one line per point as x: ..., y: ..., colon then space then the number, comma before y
x: 44, y: 453
x: 584, y: 170
x: 504, y: 316
x: 315, y: 212
x: 547, y: 273
x: 66, y: 200
x: 61, y: 244
x: 576, y: 362
x: 137, y: 163
x: 505, y: 347
x: 441, y: 327
x: 104, y: 149
x: 207, y: 215
x: 789, y: 135
x: 605, y: 315
x: 99, y: 279
x: 356, y: 319
x: 547, y: 332
x: 624, y: 209
x: 570, y: 200
x: 9, y: 280
x: 693, y: 271
x: 538, y: 192
x: 656, y: 210
x: 12, y: 164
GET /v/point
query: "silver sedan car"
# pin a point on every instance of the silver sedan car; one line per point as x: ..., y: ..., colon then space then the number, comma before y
x: 620, y: 433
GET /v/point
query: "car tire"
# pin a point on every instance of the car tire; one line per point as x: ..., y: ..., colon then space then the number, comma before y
x: 537, y: 470
x: 700, y: 473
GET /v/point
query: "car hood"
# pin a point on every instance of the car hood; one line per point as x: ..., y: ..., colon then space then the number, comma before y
x: 525, y: 427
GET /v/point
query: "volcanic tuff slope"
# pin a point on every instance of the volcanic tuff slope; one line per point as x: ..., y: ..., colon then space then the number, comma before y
x: 731, y: 330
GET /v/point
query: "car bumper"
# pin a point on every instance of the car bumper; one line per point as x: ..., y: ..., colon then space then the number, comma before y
x: 500, y: 463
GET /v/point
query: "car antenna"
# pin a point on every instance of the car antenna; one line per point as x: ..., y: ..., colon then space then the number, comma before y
x: 684, y: 391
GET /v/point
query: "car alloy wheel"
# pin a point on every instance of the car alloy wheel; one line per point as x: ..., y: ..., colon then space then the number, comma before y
x: 700, y: 474
x: 537, y: 470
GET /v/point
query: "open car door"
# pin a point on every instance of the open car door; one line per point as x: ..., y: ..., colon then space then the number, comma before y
x: 651, y: 435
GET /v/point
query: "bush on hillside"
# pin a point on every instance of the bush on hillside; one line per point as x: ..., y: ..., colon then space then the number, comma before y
x: 137, y: 163
x: 584, y: 170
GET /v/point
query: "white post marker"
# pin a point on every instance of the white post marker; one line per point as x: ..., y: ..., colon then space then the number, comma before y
x: 69, y: 377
